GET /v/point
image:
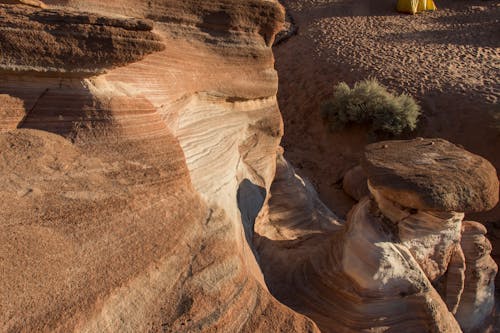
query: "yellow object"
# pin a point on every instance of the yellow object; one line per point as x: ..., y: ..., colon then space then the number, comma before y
x: 415, y: 6
x: 431, y: 5
x: 422, y: 6
x: 407, y: 6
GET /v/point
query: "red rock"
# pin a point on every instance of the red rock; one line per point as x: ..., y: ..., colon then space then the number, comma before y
x: 431, y: 174
x: 119, y: 198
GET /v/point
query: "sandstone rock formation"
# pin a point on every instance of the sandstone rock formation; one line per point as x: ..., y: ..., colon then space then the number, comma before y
x: 444, y: 177
x: 294, y: 209
x: 34, y: 3
x: 144, y: 188
x: 477, y: 301
x: 60, y: 40
x: 355, y: 183
x: 402, y: 262
x: 129, y: 129
x: 434, y: 175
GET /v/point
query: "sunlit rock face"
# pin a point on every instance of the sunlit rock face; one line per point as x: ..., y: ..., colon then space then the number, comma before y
x: 423, y: 205
x: 138, y: 143
x: 430, y: 236
x: 144, y: 188
x: 477, y: 301
x: 404, y: 260
x: 431, y: 174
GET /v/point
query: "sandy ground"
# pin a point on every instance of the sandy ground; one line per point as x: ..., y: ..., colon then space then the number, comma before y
x: 448, y: 59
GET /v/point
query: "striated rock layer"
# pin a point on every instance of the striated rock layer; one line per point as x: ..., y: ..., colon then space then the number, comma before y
x: 396, y: 264
x: 138, y: 141
x: 477, y: 301
x: 68, y: 41
x: 144, y: 188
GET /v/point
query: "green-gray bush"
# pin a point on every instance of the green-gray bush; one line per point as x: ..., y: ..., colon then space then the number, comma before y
x: 370, y: 103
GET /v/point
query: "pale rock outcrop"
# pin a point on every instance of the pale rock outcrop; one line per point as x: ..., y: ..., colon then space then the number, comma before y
x: 430, y: 236
x: 356, y: 279
x: 430, y: 229
x: 477, y: 301
x: 146, y: 132
x: 452, y: 286
x: 294, y: 209
x: 400, y: 263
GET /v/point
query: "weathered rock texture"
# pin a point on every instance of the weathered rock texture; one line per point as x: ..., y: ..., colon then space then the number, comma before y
x: 138, y: 142
x: 355, y: 183
x: 68, y: 41
x: 295, y: 210
x: 477, y: 301
x: 404, y: 261
x: 431, y: 174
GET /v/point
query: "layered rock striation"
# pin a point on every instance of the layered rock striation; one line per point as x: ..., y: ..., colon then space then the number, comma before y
x: 59, y: 40
x: 138, y: 141
x: 405, y: 260
x: 144, y: 188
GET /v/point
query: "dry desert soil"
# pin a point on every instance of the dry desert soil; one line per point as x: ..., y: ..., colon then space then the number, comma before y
x: 449, y: 60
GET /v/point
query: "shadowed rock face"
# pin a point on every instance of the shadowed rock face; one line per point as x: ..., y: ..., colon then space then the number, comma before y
x: 355, y: 183
x: 477, y: 300
x: 295, y: 210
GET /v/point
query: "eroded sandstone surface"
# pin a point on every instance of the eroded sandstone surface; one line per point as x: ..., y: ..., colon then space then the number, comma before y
x: 404, y: 260
x: 128, y: 130
x: 144, y: 188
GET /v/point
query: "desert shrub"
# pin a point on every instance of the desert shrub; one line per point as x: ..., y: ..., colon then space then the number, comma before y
x: 370, y: 103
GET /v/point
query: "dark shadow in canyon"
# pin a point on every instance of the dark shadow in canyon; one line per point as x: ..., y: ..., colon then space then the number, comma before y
x: 250, y: 198
x: 216, y: 24
x: 349, y: 8
x: 64, y: 111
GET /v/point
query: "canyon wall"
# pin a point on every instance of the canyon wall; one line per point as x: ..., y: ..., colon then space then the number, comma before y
x: 145, y: 189
x: 136, y: 156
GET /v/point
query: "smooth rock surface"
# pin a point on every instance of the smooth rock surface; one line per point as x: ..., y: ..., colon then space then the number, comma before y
x: 454, y: 280
x: 355, y: 183
x: 478, y: 298
x: 295, y: 210
x: 430, y: 236
x: 356, y: 279
x: 431, y: 174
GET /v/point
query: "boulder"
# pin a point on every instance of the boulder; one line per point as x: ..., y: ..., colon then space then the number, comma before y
x: 431, y: 174
x: 355, y: 183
